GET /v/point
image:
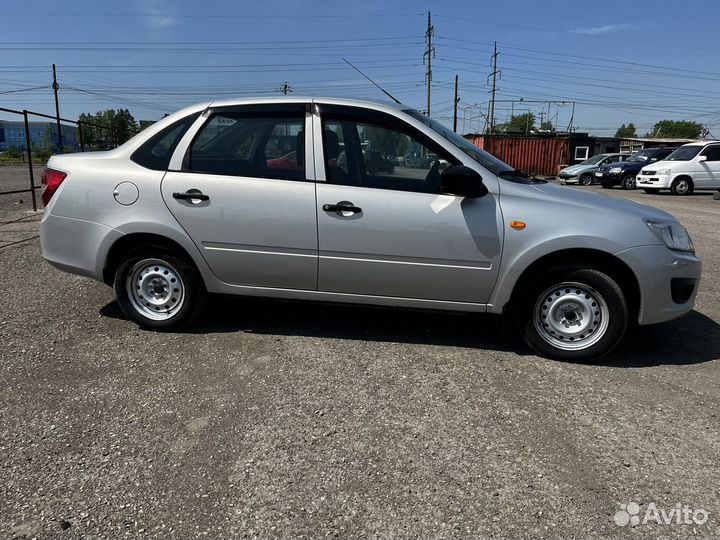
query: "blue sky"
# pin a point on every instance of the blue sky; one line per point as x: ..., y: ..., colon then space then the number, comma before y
x: 639, y: 61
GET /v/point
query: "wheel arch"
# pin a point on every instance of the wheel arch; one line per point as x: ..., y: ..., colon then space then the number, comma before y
x: 601, y: 260
x: 130, y: 241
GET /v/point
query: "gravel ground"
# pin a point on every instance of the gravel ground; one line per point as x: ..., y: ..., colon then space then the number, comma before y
x: 281, y: 419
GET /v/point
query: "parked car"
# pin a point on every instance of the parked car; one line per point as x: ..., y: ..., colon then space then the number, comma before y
x: 288, y: 161
x: 690, y: 167
x: 584, y: 173
x: 189, y: 207
x: 624, y: 174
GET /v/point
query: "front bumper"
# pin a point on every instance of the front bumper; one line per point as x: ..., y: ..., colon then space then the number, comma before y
x: 668, y: 281
x: 607, y: 178
x: 656, y: 181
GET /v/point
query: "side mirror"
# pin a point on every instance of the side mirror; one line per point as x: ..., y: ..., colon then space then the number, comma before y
x: 702, y: 158
x: 462, y: 181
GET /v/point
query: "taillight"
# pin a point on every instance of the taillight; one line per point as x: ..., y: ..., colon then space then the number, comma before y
x: 52, y: 180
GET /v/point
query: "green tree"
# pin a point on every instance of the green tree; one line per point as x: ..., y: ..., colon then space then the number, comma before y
x: 685, y: 129
x: 547, y: 125
x: 108, y: 128
x: 519, y: 123
x: 625, y: 132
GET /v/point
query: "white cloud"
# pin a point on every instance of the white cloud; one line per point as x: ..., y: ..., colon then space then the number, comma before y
x: 598, y: 30
x: 158, y: 14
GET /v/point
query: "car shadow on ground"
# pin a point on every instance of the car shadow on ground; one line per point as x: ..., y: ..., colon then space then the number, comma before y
x: 692, y: 339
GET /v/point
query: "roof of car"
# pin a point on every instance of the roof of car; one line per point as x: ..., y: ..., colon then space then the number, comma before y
x: 307, y: 99
x: 700, y: 143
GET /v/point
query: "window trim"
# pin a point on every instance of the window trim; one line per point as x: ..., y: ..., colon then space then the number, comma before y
x: 360, y: 115
x: 272, y: 110
x: 587, y: 153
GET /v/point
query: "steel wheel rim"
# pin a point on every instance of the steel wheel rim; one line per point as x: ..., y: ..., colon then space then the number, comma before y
x: 630, y: 182
x: 155, y: 289
x: 682, y: 187
x: 571, y: 316
x: 585, y: 180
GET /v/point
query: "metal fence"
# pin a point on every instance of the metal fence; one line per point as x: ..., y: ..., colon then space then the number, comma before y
x: 22, y: 145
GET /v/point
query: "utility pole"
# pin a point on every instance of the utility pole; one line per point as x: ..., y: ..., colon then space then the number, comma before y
x: 494, y: 74
x: 455, y: 102
x: 429, y: 54
x: 56, y: 86
x: 286, y: 88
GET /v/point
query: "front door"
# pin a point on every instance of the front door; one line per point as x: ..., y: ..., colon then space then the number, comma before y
x: 708, y: 175
x: 384, y: 229
x: 244, y: 197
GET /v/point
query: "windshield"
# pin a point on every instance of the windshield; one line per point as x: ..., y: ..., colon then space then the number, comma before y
x: 642, y: 155
x: 485, y: 159
x: 684, y: 153
x: 593, y: 160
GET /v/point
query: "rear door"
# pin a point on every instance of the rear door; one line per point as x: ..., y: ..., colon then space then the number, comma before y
x: 250, y: 212
x: 400, y: 237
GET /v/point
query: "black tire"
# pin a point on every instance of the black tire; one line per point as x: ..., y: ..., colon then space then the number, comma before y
x: 607, y: 316
x: 682, y: 186
x: 167, y: 266
x: 585, y: 179
x: 629, y: 181
x: 651, y: 191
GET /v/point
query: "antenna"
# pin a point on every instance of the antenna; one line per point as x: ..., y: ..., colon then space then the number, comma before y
x: 388, y: 94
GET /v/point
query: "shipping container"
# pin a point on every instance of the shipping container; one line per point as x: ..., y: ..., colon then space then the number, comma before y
x: 540, y: 155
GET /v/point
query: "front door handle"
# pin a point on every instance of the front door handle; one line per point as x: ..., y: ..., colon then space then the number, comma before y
x: 191, y: 194
x: 342, y: 207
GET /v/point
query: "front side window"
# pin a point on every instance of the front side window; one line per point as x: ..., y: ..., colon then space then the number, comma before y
x: 383, y: 156
x: 684, y: 153
x: 712, y: 153
x: 253, y: 145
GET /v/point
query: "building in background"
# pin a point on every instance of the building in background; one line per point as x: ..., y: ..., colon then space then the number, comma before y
x: 12, y: 135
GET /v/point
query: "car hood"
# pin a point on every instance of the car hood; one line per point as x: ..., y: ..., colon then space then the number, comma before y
x: 577, y: 169
x: 662, y: 165
x: 597, y: 203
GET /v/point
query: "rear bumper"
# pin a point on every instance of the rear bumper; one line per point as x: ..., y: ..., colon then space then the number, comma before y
x: 668, y: 281
x: 76, y: 246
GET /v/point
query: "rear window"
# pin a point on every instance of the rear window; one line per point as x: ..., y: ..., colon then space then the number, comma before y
x: 156, y: 152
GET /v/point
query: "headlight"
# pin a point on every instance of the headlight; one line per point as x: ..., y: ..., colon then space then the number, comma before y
x: 615, y: 170
x: 663, y: 172
x: 673, y: 234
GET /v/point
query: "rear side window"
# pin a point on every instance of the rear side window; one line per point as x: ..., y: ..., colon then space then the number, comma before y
x: 156, y: 152
x: 254, y: 145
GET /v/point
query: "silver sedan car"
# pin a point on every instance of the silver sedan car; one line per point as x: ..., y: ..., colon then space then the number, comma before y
x: 276, y: 197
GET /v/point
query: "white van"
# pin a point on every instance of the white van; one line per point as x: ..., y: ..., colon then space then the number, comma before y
x: 690, y: 167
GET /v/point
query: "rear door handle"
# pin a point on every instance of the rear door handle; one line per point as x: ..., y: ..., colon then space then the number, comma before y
x: 191, y: 194
x: 342, y: 207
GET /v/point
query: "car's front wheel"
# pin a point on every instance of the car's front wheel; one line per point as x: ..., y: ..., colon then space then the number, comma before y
x: 575, y: 314
x: 681, y: 186
x: 157, y: 288
x: 629, y: 181
x: 585, y: 179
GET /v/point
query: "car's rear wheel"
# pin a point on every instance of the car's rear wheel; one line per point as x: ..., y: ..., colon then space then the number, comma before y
x: 682, y: 186
x: 651, y: 191
x: 574, y: 314
x: 629, y: 181
x: 159, y: 289
x: 585, y: 179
